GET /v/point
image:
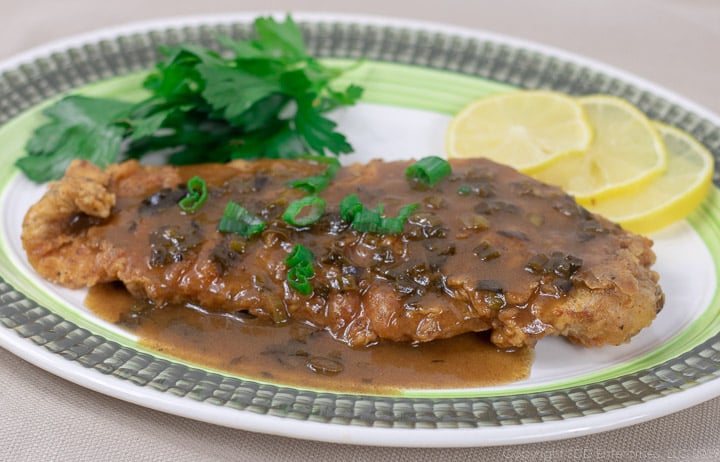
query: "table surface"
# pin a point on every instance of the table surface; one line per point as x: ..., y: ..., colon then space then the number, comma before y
x: 674, y: 43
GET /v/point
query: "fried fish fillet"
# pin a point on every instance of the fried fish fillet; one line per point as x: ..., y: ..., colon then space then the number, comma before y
x: 487, y: 249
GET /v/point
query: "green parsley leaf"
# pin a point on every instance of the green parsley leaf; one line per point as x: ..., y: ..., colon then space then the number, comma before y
x: 176, y: 79
x: 79, y: 128
x: 233, y: 90
x: 275, y: 142
x: 148, y: 125
x: 281, y: 39
x: 318, y: 131
x: 269, y: 99
x: 348, y: 97
x: 244, y: 50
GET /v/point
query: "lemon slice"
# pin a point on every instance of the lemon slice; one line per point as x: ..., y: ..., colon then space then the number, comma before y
x: 672, y: 195
x: 626, y: 153
x: 524, y: 129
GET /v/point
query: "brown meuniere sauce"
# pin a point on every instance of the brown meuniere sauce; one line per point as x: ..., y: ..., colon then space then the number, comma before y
x: 468, y: 226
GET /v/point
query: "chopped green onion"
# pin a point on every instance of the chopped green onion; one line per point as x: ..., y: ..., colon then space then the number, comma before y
x: 299, y: 281
x: 311, y: 184
x: 349, y: 207
x: 237, y: 219
x: 366, y: 220
x: 316, y: 183
x: 394, y: 225
x: 373, y: 221
x: 300, y: 261
x: 305, y: 211
x: 196, y: 196
x: 428, y: 170
x: 300, y: 255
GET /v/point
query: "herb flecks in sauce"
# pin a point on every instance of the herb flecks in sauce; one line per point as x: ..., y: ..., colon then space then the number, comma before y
x: 300, y: 355
x: 460, y: 262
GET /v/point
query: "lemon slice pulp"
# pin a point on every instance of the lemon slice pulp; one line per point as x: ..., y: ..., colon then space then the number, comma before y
x: 634, y: 171
x: 625, y: 154
x: 525, y: 130
x: 670, y: 196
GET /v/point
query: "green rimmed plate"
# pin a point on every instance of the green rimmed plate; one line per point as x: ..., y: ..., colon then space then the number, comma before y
x: 416, y: 76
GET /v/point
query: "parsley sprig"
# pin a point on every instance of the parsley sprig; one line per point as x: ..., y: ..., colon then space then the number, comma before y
x: 265, y: 97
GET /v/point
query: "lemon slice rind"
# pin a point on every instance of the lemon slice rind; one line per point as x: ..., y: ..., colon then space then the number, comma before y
x: 673, y: 195
x: 626, y: 154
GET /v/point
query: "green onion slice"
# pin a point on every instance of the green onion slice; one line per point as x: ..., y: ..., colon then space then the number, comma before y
x: 316, y: 183
x: 300, y: 255
x: 300, y: 261
x: 299, y: 282
x: 305, y: 211
x: 349, y: 207
x: 373, y: 221
x: 237, y: 219
x: 196, y: 196
x: 428, y: 170
x: 394, y: 225
x: 311, y: 184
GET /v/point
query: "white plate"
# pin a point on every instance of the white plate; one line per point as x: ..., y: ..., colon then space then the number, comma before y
x: 667, y: 367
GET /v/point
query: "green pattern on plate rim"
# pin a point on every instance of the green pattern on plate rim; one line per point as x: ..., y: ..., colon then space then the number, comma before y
x: 438, y: 62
